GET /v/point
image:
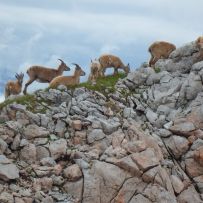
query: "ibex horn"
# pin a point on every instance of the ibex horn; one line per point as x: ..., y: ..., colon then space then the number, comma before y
x: 61, y: 60
x: 76, y: 65
x: 16, y: 75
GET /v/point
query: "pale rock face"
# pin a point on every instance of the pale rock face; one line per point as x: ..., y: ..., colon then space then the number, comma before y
x: 58, y: 148
x: 145, y: 159
x: 178, y: 185
x: 33, y: 131
x: 73, y: 173
x: 8, y: 170
x: 77, y: 125
x: 142, y: 143
x: 178, y: 145
x: 28, y: 153
x: 96, y: 134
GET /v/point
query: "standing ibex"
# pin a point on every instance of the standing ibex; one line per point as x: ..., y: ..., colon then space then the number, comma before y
x: 98, y: 67
x: 44, y: 74
x: 108, y: 61
x: 160, y: 50
x: 95, y: 71
x: 199, y: 44
x: 14, y: 87
x: 68, y: 80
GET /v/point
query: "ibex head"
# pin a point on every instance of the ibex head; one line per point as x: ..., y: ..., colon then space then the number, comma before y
x: 127, y: 68
x: 79, y: 69
x: 19, y: 78
x: 64, y: 66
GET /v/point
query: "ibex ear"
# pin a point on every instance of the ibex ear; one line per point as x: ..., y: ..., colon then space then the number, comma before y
x: 198, y: 39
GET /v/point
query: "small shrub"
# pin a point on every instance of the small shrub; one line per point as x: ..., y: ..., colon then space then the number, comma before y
x: 157, y: 69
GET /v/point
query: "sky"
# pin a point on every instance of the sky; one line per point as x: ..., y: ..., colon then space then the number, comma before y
x: 37, y: 32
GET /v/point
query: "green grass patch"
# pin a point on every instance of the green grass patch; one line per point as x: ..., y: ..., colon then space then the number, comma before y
x: 24, y: 100
x: 29, y: 100
x: 105, y: 85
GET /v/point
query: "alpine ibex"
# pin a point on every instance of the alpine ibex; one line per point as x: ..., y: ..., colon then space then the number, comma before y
x: 44, y: 74
x: 98, y: 67
x: 68, y: 80
x: 199, y: 43
x: 160, y: 50
x: 95, y: 71
x: 14, y: 87
x: 108, y: 61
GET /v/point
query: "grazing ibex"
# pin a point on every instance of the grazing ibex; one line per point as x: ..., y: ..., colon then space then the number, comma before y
x: 44, y: 74
x: 108, y: 61
x: 160, y: 50
x: 14, y: 87
x: 199, y: 43
x: 68, y: 80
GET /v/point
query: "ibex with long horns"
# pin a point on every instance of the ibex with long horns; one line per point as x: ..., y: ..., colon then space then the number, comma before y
x: 44, y: 74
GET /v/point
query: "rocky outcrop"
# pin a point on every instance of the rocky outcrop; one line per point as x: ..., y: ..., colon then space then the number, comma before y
x: 142, y: 143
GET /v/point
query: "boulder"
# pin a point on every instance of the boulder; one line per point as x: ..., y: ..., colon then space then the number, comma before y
x: 73, y: 172
x: 34, y: 131
x: 8, y: 170
x: 58, y: 148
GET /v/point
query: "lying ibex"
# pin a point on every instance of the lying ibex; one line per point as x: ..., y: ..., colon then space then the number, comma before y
x: 199, y: 43
x: 160, y: 50
x: 44, y: 74
x: 68, y: 80
x: 108, y: 61
x: 14, y: 87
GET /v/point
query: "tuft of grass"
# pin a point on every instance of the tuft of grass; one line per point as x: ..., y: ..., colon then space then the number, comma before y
x: 104, y: 85
x: 24, y: 100
x: 157, y: 70
x: 29, y: 100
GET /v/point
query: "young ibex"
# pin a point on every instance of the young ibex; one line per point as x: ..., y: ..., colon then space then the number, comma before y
x: 68, y: 80
x: 44, y: 74
x: 160, y: 50
x: 95, y: 71
x: 107, y: 61
x: 199, y: 44
x: 14, y: 87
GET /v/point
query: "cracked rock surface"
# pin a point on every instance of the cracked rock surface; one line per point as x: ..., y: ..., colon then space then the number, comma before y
x: 145, y: 147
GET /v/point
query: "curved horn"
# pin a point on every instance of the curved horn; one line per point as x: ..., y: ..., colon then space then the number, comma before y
x: 16, y: 75
x: 76, y: 65
x: 61, y: 60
